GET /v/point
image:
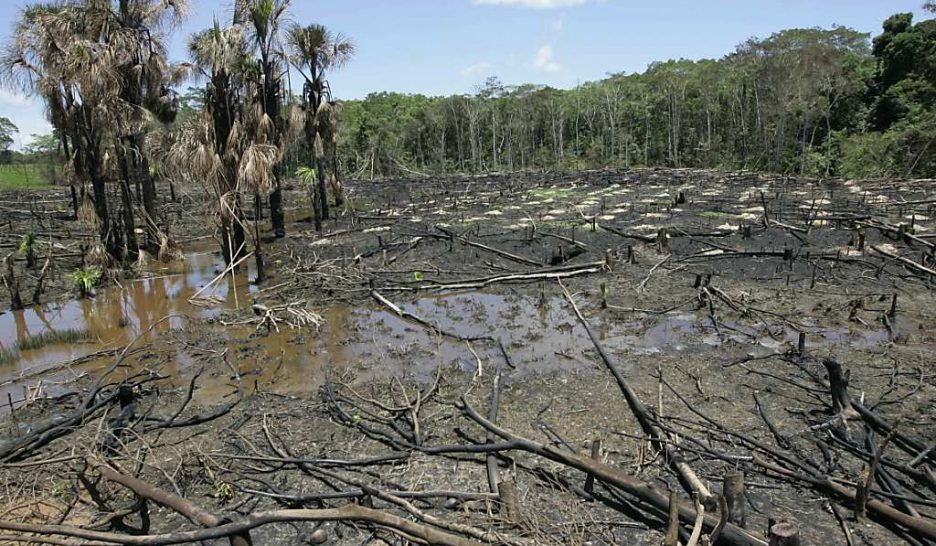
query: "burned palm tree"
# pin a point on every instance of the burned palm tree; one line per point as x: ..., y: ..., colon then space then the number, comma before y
x: 313, y: 50
x: 207, y: 146
x: 232, y: 143
x: 99, y: 69
x: 141, y: 62
x: 54, y: 54
x: 262, y: 20
x: 330, y: 124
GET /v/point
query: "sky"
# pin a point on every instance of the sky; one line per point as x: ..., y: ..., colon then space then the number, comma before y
x: 440, y: 47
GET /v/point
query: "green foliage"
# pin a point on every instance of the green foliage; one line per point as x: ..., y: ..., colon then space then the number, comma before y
x: 224, y: 492
x: 7, y: 130
x: 85, y: 279
x: 7, y: 356
x: 24, y: 177
x: 773, y: 104
x: 306, y: 174
x: 417, y: 276
x: 52, y: 337
x: 868, y: 155
x: 27, y: 244
x: 42, y: 146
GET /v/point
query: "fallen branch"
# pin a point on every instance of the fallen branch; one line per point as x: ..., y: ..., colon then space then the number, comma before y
x: 687, y: 476
x: 909, y: 263
x: 401, y: 526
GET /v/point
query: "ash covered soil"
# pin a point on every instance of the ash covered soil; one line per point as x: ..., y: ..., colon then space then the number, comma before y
x: 361, y: 372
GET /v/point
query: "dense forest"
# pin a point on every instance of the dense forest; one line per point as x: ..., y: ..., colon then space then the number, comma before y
x: 803, y: 101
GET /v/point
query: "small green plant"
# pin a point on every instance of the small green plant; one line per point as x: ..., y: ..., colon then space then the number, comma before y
x: 417, y: 276
x: 7, y: 356
x: 27, y: 248
x: 306, y: 174
x: 51, y: 337
x: 59, y: 488
x: 224, y: 492
x: 85, y: 279
x: 27, y: 243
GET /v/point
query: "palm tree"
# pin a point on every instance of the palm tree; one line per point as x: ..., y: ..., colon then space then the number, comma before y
x: 100, y: 71
x: 54, y: 54
x: 330, y: 125
x: 207, y: 146
x: 262, y: 19
x: 233, y: 142
x: 313, y: 50
x: 146, y: 78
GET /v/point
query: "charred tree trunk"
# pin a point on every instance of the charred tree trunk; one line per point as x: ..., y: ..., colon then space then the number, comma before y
x: 37, y: 293
x: 74, y: 199
x: 12, y: 283
x: 337, y: 188
x: 322, y: 191
x: 148, y: 186
x: 735, y: 499
x: 100, y: 202
x: 277, y: 217
x: 784, y: 533
x: 258, y: 241
x: 838, y: 385
x: 127, y: 205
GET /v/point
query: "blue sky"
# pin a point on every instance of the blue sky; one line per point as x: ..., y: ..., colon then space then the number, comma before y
x: 450, y: 46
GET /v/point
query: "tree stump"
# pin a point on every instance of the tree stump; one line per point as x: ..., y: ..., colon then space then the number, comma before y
x: 784, y: 532
x: 735, y: 498
x: 838, y: 386
x: 509, y: 501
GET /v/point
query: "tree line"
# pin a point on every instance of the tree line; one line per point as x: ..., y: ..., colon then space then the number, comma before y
x: 811, y: 101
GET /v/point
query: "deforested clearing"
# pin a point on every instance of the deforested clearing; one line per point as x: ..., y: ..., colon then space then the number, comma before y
x: 255, y: 314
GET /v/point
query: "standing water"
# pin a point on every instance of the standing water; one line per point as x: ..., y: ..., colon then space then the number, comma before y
x: 114, y: 317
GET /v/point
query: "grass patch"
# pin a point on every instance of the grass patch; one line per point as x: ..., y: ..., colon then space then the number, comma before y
x: 24, y: 177
x: 7, y: 356
x: 716, y: 214
x: 51, y: 337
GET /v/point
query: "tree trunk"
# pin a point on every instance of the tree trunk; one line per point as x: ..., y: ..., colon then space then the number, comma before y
x: 277, y: 217
x: 784, y: 533
x: 100, y: 200
x: 12, y: 283
x: 258, y: 241
x: 322, y: 191
x: 127, y: 203
x: 148, y: 184
x: 337, y: 187
x: 74, y: 198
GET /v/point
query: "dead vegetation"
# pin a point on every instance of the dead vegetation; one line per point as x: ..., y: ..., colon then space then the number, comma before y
x: 642, y: 357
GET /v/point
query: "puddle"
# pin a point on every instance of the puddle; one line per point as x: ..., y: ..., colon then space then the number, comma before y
x: 541, y: 335
x: 115, y: 316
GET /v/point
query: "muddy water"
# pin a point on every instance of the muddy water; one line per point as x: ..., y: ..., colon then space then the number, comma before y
x: 541, y: 335
x: 114, y: 317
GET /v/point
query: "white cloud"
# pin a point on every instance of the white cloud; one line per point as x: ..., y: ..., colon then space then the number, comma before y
x: 535, y: 4
x: 477, y: 69
x: 543, y: 60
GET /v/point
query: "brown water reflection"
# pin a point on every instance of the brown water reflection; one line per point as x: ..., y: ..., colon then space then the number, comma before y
x: 117, y: 314
x: 541, y: 335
